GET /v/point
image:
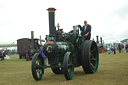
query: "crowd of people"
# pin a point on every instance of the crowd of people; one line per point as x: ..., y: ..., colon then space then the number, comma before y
x: 116, y: 47
x: 7, y: 51
x: 4, y: 54
x: 4, y: 51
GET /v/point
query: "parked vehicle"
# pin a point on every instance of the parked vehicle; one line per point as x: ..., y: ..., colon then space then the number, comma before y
x: 22, y: 47
x: 32, y: 49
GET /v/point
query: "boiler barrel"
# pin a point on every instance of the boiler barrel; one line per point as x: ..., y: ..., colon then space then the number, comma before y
x: 52, y: 49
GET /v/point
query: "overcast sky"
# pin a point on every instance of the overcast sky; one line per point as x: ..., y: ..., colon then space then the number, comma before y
x: 108, y: 18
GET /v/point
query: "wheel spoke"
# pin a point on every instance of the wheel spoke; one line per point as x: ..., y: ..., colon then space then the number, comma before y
x: 38, y: 74
x: 77, y: 40
x: 94, y: 59
x: 38, y: 70
x: 92, y: 65
x: 92, y: 50
x: 37, y: 62
x: 37, y: 66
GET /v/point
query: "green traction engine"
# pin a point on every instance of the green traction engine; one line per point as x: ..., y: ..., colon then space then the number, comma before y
x: 65, y: 51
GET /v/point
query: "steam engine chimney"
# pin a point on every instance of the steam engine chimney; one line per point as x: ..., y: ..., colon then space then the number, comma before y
x: 52, y: 29
x: 32, y: 39
x: 101, y: 40
x: 97, y: 39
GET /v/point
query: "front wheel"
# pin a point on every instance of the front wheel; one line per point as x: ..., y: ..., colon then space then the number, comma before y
x: 68, y: 66
x: 36, y: 67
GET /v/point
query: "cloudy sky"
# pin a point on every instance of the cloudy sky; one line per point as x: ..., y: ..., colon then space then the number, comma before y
x: 108, y: 18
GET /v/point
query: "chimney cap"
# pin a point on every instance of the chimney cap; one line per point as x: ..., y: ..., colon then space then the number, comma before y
x: 51, y: 9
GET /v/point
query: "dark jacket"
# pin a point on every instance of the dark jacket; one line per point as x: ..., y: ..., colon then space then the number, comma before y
x: 72, y: 31
x: 88, y: 29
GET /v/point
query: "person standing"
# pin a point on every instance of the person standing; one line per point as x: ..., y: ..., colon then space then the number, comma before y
x: 6, y: 51
x: 126, y: 48
x: 114, y: 49
x: 43, y: 55
x: 106, y: 50
x: 122, y: 48
x: 87, y: 30
x: 109, y: 47
x: 119, y: 46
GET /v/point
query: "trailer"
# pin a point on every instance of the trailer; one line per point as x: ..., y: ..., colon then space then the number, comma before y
x: 22, y: 47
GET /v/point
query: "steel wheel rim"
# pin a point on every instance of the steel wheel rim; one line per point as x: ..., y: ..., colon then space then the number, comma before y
x: 39, y: 68
x: 94, y: 57
x: 70, y: 67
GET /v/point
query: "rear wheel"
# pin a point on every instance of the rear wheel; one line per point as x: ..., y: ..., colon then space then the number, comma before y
x: 36, y: 67
x: 68, y: 66
x: 89, y: 56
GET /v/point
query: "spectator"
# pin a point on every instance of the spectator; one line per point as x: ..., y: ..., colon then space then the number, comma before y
x: 126, y: 48
x: 122, y: 46
x: 6, y: 51
x: 119, y: 46
x: 109, y: 47
x: 114, y: 49
x: 106, y: 50
x: 43, y: 55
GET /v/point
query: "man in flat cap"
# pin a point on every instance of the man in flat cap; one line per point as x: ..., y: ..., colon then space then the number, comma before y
x: 87, y: 31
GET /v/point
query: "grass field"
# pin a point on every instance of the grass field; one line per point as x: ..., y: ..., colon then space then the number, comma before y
x: 113, y: 70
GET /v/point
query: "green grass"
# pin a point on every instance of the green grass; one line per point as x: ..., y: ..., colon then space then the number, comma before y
x: 113, y: 70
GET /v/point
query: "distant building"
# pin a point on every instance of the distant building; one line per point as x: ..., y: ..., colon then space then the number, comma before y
x: 125, y: 41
